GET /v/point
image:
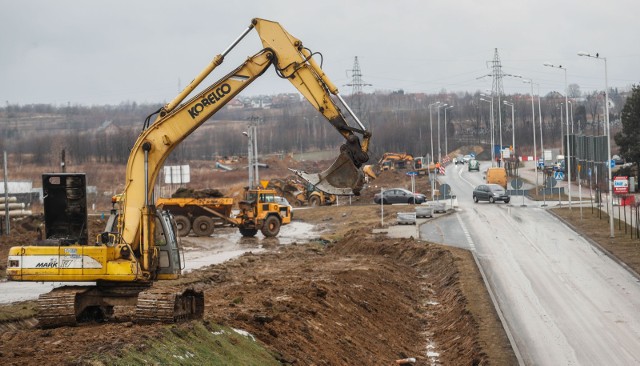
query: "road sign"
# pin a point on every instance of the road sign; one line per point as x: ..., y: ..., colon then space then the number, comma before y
x: 558, y: 175
x: 473, y: 156
x: 612, y: 163
x: 411, y: 173
x: 620, y: 185
x: 516, y: 183
x: 445, y: 189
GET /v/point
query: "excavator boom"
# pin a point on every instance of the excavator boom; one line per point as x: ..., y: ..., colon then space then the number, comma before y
x: 176, y: 121
x: 140, y: 244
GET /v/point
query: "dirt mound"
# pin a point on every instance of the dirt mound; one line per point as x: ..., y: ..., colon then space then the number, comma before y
x: 192, y: 193
x: 365, y: 300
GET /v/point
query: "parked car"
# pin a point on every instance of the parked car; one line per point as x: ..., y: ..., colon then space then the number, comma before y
x: 283, y: 202
x: 491, y: 193
x: 399, y: 195
x: 474, y: 165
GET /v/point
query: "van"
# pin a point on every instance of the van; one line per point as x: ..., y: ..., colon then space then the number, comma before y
x: 498, y: 176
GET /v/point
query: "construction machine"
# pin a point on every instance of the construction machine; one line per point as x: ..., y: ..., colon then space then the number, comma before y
x: 301, y: 194
x: 258, y: 211
x: 393, y: 161
x: 140, y: 245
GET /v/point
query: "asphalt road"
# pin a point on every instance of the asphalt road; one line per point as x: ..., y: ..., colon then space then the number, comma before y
x: 563, y: 301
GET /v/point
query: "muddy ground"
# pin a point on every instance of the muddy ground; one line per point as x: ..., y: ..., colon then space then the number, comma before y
x: 341, y: 296
x: 348, y: 297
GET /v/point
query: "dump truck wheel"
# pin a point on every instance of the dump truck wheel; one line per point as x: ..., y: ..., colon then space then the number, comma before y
x: 183, y: 224
x: 248, y: 232
x: 203, y: 226
x: 271, y: 227
x: 314, y: 201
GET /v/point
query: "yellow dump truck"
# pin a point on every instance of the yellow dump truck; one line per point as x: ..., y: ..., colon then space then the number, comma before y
x: 200, y: 215
x: 259, y: 211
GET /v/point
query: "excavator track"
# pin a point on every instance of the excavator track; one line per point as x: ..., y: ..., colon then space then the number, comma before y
x: 59, y: 306
x: 169, y: 305
x: 70, y: 305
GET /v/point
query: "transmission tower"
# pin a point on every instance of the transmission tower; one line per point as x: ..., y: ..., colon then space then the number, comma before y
x: 497, y: 89
x: 356, y: 86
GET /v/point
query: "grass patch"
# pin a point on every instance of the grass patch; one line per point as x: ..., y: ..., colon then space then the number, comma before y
x: 18, y: 310
x: 193, y: 343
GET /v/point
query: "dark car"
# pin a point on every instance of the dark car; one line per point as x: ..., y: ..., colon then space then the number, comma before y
x: 491, y: 193
x: 399, y: 195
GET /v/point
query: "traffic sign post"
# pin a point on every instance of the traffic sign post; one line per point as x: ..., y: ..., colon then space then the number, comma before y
x: 558, y: 175
x: 621, y: 185
x: 412, y: 174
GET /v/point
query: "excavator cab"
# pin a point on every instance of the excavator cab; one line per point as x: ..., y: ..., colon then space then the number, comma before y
x: 167, y: 242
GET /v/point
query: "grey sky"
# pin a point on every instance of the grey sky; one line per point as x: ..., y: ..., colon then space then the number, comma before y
x: 107, y: 52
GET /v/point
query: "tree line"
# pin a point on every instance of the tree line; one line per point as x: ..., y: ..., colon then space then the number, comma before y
x: 399, y: 122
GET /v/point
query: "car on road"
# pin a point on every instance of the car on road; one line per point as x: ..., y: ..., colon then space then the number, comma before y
x: 399, y: 195
x: 458, y: 160
x: 467, y: 158
x: 491, y: 193
x: 474, y: 165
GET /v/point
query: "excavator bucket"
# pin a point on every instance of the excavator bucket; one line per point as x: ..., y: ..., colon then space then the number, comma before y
x: 342, y: 178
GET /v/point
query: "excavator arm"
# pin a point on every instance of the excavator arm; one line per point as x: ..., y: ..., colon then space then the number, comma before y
x: 177, y: 120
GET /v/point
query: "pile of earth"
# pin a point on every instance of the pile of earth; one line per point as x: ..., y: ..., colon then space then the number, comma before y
x: 195, y: 193
x: 363, y: 298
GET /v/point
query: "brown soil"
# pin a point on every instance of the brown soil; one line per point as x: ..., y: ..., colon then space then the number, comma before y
x: 351, y: 297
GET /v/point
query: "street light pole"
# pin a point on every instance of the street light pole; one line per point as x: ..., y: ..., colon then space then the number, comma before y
x: 431, y: 128
x: 513, y: 126
x: 439, y: 150
x: 566, y: 99
x: 533, y: 126
x: 571, y: 110
x: 606, y: 109
x: 249, y: 134
x: 446, y: 137
x: 492, y: 129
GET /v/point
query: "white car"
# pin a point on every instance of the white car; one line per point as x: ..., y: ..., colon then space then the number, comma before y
x: 466, y: 158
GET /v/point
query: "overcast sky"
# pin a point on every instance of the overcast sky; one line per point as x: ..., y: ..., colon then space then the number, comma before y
x: 108, y: 52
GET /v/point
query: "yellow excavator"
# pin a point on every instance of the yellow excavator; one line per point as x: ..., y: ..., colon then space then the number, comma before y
x: 140, y: 245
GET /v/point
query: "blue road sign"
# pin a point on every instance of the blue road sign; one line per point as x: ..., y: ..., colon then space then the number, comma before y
x: 411, y: 173
x: 473, y: 156
x: 612, y: 163
x: 558, y: 175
